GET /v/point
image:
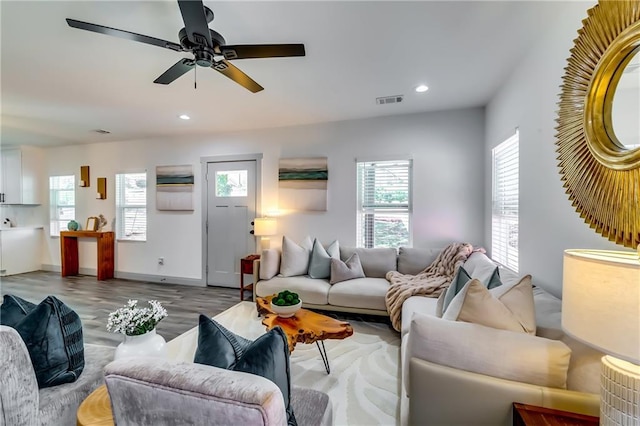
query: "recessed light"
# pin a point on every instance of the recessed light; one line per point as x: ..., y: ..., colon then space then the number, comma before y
x: 422, y: 88
x: 184, y: 117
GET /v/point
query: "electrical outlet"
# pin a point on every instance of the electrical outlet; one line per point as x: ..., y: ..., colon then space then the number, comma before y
x: 161, y: 261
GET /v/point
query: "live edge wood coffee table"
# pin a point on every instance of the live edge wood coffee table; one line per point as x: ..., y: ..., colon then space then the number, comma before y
x: 305, y: 327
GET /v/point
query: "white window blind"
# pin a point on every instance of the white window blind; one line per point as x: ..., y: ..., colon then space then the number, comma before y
x: 504, y: 215
x: 131, y: 206
x: 62, y: 203
x: 384, y: 203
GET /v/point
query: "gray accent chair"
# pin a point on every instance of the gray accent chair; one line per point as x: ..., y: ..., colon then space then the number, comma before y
x: 22, y: 403
x: 167, y: 392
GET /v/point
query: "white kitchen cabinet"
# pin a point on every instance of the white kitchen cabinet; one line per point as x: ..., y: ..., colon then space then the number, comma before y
x: 20, y: 250
x: 21, y: 177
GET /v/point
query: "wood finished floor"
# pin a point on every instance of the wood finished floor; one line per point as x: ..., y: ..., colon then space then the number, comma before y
x: 93, y: 300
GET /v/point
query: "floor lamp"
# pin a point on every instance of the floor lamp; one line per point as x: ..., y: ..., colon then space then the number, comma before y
x: 601, y: 307
x: 265, y: 227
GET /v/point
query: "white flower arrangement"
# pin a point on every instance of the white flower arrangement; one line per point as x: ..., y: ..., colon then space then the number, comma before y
x: 133, y: 321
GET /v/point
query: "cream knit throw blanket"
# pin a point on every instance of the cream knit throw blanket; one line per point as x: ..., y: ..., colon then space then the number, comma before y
x: 430, y: 282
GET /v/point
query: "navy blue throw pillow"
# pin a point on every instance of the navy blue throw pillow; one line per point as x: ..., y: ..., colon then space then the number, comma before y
x: 52, y: 333
x: 218, y: 346
x: 14, y: 309
x: 267, y: 356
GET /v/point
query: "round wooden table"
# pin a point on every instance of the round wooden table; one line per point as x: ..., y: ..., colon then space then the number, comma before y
x: 95, y: 410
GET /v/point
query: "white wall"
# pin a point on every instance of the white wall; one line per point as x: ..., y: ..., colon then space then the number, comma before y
x: 528, y: 100
x: 448, y: 200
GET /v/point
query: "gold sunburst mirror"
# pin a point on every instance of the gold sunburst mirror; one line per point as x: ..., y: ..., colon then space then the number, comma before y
x: 598, y: 131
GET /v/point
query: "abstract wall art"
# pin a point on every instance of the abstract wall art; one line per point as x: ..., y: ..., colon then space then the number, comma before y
x: 302, y: 184
x: 174, y: 187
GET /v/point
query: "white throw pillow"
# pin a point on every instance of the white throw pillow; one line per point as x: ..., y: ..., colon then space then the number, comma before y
x: 295, y: 257
x: 484, y: 350
x: 269, y: 263
x: 505, y: 307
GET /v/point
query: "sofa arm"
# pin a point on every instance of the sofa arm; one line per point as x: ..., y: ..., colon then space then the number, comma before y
x: 256, y: 276
x: 510, y: 355
x: 443, y: 395
x: 170, y: 392
x: 19, y: 396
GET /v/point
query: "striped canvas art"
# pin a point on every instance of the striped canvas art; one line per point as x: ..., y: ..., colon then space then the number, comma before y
x: 174, y: 187
x: 302, y: 184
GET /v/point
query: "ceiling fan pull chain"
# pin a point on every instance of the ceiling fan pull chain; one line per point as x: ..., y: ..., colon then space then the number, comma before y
x: 195, y: 77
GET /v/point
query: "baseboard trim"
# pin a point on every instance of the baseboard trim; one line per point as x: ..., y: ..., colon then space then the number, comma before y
x: 135, y: 276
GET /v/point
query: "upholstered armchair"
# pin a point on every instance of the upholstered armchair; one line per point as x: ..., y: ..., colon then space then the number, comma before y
x: 174, y: 392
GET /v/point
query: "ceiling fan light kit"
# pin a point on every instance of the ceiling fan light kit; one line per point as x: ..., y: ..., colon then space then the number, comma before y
x: 209, y: 48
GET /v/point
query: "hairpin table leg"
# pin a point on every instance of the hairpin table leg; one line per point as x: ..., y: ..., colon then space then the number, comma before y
x: 323, y: 354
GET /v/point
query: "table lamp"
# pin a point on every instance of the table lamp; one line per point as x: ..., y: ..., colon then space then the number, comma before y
x: 264, y: 227
x: 601, y: 307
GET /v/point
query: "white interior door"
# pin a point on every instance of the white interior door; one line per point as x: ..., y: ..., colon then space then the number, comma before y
x: 231, y: 207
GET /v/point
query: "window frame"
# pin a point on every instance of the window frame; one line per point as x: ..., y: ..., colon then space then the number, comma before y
x: 121, y: 206
x: 505, y: 206
x: 365, y: 229
x: 54, y: 207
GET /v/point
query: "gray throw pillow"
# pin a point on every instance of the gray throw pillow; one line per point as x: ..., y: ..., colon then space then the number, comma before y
x: 348, y: 270
x: 461, y: 279
x: 320, y: 263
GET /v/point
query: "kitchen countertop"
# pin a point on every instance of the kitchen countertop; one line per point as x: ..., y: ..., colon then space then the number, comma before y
x: 21, y: 228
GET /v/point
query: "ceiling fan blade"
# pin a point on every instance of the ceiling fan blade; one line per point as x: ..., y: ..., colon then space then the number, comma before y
x: 195, y: 22
x: 236, y: 75
x: 176, y: 71
x: 249, y: 51
x: 124, y: 34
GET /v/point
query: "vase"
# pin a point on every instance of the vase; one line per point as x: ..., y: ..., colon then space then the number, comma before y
x: 150, y: 345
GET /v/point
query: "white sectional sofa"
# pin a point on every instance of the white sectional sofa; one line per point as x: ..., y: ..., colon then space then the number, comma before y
x: 493, y: 368
x: 360, y: 295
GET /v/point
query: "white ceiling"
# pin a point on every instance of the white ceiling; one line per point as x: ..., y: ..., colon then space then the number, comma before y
x: 59, y: 84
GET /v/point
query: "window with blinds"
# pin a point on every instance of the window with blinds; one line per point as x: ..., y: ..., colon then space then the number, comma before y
x: 384, y: 203
x: 131, y: 206
x: 504, y: 214
x: 62, y: 203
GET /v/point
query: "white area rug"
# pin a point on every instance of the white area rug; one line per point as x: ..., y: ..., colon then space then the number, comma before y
x: 364, y: 383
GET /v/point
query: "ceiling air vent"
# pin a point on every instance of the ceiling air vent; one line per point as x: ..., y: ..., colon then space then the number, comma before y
x: 389, y: 99
x: 102, y: 131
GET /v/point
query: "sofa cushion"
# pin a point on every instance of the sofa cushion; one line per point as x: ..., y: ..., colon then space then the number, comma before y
x: 412, y: 261
x: 420, y: 304
x: 218, y: 346
x: 295, y: 257
x: 14, y: 309
x: 269, y: 263
x: 507, y: 308
x: 52, y: 333
x: 479, y: 266
x: 473, y: 347
x: 320, y: 262
x: 376, y: 262
x: 311, y: 291
x: 347, y: 270
x: 267, y: 356
x: 366, y: 293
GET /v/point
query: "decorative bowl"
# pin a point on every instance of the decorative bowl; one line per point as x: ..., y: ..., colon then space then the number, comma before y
x: 286, y: 311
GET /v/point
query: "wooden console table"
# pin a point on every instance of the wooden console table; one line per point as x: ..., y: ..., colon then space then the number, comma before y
x: 69, y: 252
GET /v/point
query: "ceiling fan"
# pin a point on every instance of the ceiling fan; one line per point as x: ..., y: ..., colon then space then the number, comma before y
x: 208, y: 47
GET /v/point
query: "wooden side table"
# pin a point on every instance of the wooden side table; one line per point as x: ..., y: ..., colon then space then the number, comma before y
x: 246, y: 267
x: 530, y: 415
x: 95, y: 410
x: 69, y: 252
